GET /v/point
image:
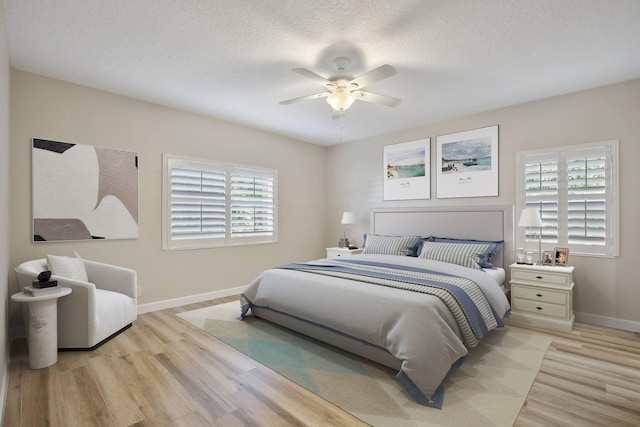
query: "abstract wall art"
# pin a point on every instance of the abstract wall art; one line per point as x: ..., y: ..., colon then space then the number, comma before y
x: 82, y: 192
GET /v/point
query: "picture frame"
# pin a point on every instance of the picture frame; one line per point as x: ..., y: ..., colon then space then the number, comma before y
x: 548, y: 258
x: 561, y: 257
x: 467, y: 163
x: 83, y: 192
x: 407, y: 170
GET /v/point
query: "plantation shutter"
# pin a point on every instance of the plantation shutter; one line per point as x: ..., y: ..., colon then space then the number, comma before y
x: 252, y: 203
x: 212, y: 204
x: 541, y: 192
x: 587, y: 196
x: 198, y: 202
x: 576, y: 191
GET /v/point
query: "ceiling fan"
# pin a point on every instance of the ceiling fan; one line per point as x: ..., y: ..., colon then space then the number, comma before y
x: 343, y: 90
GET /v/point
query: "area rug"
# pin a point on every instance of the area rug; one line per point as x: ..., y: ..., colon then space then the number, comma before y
x: 488, y: 390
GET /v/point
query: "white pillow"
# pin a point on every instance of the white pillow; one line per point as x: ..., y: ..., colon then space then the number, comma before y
x: 67, y: 267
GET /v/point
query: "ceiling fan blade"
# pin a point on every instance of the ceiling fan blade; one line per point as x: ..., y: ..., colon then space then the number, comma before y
x: 304, y: 98
x: 382, y: 72
x: 311, y: 75
x: 375, y: 98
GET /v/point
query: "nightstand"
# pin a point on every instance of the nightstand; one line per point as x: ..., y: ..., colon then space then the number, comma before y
x: 542, y: 296
x: 342, y: 252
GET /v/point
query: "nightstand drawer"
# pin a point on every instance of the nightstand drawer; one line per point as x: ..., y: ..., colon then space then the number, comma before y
x: 541, y: 277
x: 539, y: 307
x: 537, y: 294
x: 342, y: 252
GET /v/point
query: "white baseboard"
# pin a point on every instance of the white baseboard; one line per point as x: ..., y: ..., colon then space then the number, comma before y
x: 609, y: 322
x: 191, y: 299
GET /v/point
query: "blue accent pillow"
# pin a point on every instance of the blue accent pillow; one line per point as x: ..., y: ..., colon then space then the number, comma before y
x: 485, y: 258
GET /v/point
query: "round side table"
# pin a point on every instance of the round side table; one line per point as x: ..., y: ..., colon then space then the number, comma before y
x: 42, y: 333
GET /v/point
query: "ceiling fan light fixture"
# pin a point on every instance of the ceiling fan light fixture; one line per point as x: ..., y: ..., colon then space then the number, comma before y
x: 341, y: 99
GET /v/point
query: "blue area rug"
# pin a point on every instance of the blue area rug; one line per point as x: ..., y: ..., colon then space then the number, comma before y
x: 488, y: 390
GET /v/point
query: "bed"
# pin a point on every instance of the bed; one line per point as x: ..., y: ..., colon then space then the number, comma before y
x: 376, y: 304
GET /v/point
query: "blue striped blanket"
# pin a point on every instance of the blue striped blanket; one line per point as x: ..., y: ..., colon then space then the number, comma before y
x: 464, y: 298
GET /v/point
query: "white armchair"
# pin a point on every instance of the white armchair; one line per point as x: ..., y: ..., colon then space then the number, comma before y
x: 96, y: 310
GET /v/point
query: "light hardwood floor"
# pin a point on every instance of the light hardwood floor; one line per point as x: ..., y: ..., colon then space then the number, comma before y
x: 164, y: 372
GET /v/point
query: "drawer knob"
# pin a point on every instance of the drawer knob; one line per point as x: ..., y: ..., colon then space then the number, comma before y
x: 538, y: 295
x: 538, y: 308
x: 539, y: 277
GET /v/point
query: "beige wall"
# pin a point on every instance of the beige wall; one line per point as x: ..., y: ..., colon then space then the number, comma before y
x: 607, y: 290
x: 4, y: 202
x: 52, y: 109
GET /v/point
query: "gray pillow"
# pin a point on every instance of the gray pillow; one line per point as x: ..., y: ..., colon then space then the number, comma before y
x: 388, y: 245
x: 464, y: 254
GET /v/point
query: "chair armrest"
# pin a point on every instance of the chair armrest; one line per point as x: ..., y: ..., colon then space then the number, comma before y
x: 112, y: 278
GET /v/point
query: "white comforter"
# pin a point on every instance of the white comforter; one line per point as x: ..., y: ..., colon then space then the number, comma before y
x: 416, y: 328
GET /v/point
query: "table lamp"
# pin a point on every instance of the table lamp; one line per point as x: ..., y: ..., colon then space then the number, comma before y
x: 530, y: 217
x: 348, y: 218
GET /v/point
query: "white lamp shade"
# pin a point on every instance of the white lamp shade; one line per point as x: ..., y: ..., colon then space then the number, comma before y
x: 348, y: 218
x: 341, y: 99
x: 530, y: 217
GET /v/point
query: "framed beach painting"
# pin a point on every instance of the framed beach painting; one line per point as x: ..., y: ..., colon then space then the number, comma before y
x: 467, y: 163
x: 406, y: 169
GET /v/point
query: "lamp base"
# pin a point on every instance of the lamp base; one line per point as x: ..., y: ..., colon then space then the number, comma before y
x: 343, y: 243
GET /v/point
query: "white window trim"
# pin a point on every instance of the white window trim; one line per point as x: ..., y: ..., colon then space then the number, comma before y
x: 169, y: 245
x: 609, y: 251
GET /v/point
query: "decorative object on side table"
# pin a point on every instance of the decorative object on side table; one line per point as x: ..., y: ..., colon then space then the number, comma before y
x: 548, y: 258
x: 530, y: 217
x: 43, y: 281
x: 348, y: 218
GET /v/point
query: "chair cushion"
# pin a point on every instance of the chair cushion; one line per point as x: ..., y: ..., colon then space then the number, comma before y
x: 114, y: 311
x: 67, y: 267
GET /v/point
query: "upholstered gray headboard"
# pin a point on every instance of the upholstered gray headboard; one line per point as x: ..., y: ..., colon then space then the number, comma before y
x: 472, y: 222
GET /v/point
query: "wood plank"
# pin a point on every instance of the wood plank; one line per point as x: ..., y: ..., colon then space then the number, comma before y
x: 165, y: 372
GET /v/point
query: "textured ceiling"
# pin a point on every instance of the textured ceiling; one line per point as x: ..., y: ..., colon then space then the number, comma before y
x: 232, y: 59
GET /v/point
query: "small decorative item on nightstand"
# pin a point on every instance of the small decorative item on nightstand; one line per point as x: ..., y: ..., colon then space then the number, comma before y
x: 561, y: 256
x: 542, y: 295
x: 528, y: 256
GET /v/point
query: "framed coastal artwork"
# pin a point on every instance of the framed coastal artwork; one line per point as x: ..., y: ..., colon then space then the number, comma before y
x: 82, y: 192
x: 467, y: 163
x: 406, y: 170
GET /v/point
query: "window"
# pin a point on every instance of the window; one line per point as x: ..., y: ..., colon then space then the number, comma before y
x: 214, y: 204
x: 575, y: 188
